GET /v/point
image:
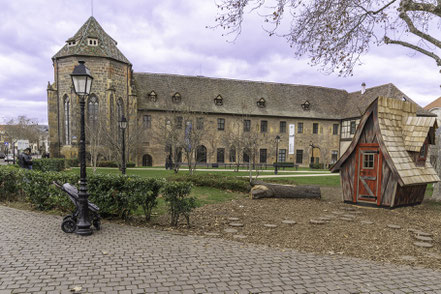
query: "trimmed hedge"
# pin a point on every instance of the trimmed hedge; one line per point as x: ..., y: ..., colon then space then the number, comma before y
x: 216, y: 181
x: 113, y: 164
x: 116, y: 195
x: 48, y: 164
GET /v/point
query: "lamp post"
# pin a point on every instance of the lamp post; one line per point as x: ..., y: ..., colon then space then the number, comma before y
x: 123, y: 125
x: 277, y: 140
x: 82, y: 82
x: 312, y: 152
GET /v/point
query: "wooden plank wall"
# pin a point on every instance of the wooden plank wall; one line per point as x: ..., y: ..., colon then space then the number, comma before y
x: 408, y: 195
x: 388, y: 184
x: 347, y: 173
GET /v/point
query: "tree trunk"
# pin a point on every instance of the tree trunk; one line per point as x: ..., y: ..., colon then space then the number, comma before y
x: 266, y: 190
x: 436, y: 195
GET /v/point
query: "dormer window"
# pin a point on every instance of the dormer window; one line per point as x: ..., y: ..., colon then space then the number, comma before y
x: 153, y: 97
x: 219, y: 101
x: 71, y: 43
x: 92, y: 41
x: 261, y: 103
x: 177, y: 98
x: 306, y: 105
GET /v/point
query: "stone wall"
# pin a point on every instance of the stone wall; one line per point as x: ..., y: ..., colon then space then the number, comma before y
x: 111, y: 79
x: 152, y: 140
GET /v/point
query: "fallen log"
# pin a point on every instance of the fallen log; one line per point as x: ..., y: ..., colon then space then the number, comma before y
x: 267, y: 190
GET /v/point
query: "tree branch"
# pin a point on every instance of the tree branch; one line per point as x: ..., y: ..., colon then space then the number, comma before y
x: 408, y: 5
x: 414, y: 47
x: 417, y: 32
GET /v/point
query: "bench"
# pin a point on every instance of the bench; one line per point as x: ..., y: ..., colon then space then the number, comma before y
x: 285, y: 164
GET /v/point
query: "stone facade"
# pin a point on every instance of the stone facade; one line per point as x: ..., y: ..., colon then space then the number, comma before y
x: 150, y: 100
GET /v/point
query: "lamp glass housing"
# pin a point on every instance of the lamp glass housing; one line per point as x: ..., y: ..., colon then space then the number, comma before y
x: 123, y: 123
x: 81, y: 79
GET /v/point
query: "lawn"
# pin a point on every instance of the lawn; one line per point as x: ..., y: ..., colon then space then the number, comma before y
x: 162, y: 173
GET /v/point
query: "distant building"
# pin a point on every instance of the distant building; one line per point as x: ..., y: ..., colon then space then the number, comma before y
x: 324, y: 120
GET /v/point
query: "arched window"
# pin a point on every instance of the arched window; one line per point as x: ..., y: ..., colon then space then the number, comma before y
x: 92, y: 110
x: 120, y: 108
x: 201, y: 154
x: 66, y: 120
x: 112, y: 112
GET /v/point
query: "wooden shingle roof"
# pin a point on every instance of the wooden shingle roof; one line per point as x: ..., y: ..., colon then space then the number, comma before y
x: 395, y: 120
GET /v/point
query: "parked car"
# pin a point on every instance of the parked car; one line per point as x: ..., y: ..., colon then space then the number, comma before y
x: 2, y: 155
x: 9, y: 157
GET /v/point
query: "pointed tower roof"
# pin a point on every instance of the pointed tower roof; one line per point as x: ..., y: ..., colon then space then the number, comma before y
x: 78, y: 44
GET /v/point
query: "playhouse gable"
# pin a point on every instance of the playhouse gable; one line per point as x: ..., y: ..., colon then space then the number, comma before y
x: 402, y: 132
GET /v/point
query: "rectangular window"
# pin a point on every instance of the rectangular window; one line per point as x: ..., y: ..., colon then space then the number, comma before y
x: 263, y: 155
x: 315, y: 128
x: 246, y: 125
x: 147, y: 121
x: 299, y: 156
x: 353, y: 127
x: 368, y: 161
x: 263, y: 126
x: 334, y: 156
x: 283, y: 127
x: 220, y: 155
x: 300, y: 128
x: 221, y: 124
x: 282, y: 155
x: 179, y: 122
x: 200, y: 123
x: 335, y: 129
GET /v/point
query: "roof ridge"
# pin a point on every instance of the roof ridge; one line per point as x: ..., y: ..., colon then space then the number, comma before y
x: 239, y: 80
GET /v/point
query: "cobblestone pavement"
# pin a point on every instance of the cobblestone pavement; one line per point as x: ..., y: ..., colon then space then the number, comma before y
x: 37, y: 257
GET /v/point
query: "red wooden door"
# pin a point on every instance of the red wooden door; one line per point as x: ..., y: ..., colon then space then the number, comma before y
x: 368, y: 174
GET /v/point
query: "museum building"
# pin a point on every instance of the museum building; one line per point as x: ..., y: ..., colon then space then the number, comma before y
x: 313, y: 124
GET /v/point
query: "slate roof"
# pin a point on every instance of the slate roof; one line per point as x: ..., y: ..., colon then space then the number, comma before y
x: 393, y: 117
x: 433, y: 104
x: 106, y: 45
x: 357, y: 103
x: 241, y: 96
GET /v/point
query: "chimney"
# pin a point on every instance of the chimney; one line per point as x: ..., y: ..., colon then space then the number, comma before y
x: 363, y: 88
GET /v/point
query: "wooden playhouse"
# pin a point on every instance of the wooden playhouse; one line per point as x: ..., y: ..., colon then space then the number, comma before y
x: 386, y: 165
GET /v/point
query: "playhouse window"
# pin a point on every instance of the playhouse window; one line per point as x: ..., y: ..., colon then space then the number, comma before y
x: 368, y: 161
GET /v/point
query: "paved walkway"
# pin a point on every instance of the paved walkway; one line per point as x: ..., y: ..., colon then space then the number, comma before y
x: 37, y: 257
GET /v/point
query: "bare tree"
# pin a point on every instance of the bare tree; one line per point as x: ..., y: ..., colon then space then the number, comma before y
x: 22, y: 128
x: 334, y: 34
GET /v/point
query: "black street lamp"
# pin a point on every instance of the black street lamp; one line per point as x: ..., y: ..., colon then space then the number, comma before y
x: 312, y: 152
x: 82, y: 82
x: 123, y: 125
x: 277, y: 140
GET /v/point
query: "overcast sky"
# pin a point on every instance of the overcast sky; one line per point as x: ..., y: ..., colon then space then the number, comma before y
x: 170, y: 36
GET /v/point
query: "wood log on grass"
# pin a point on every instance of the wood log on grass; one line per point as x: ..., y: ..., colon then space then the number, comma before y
x: 267, y: 190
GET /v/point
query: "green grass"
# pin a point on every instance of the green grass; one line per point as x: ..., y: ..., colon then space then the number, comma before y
x: 204, y: 196
x: 331, y: 181
x: 162, y: 173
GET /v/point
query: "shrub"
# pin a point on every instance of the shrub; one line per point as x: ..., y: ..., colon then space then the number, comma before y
x: 216, y: 181
x: 130, y: 164
x: 48, y: 164
x: 178, y: 201
x: 116, y: 195
x: 105, y: 163
x: 9, y: 183
x: 72, y: 162
x: 39, y: 191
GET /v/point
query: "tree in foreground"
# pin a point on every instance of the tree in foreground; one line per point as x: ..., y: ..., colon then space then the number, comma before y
x: 335, y: 33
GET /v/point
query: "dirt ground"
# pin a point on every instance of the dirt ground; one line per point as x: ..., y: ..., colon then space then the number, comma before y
x: 349, y: 236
